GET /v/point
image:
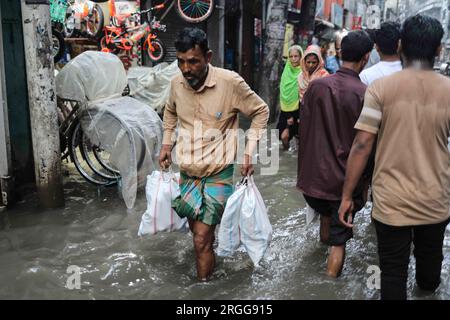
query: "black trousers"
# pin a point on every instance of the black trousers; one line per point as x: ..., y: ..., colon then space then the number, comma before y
x: 394, y: 248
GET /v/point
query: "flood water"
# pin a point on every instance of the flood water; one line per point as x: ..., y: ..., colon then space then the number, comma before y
x: 96, y: 233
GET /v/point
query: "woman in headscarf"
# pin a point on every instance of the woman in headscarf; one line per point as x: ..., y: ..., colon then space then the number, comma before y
x: 289, y: 97
x: 313, y: 68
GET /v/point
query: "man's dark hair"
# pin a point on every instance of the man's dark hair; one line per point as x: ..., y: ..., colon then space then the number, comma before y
x: 371, y: 33
x: 421, y: 36
x: 387, y: 37
x: 323, y: 43
x: 188, y: 38
x: 355, y: 45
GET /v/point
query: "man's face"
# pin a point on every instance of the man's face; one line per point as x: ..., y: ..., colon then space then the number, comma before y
x: 364, y: 62
x: 324, y: 49
x: 337, y: 47
x: 193, y: 65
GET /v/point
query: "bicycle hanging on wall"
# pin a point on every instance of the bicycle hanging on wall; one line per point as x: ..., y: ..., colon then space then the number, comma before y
x: 193, y: 11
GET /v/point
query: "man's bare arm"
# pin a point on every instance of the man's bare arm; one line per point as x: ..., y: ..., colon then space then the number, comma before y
x: 356, y: 163
x: 170, y: 120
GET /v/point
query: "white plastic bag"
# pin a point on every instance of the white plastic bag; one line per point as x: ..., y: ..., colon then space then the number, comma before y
x: 229, y: 233
x: 245, y: 221
x: 311, y: 214
x: 160, y: 190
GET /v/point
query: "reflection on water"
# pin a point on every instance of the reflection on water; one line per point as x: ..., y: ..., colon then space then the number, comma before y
x: 96, y: 233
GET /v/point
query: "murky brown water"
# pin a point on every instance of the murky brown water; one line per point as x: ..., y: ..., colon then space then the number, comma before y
x: 95, y: 232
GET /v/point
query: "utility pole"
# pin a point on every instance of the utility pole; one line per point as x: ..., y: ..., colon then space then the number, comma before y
x: 42, y: 101
x: 397, y: 13
x: 275, y: 25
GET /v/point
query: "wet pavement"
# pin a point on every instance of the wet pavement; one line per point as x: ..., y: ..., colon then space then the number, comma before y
x: 96, y: 233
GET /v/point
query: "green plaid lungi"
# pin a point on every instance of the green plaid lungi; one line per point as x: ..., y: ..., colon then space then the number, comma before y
x: 204, y: 199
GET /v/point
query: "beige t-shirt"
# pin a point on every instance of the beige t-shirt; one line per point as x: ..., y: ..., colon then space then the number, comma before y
x: 410, y: 112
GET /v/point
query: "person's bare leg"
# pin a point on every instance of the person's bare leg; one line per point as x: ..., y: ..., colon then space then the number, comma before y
x: 191, y: 225
x: 337, y: 253
x: 203, y: 244
x: 285, y: 139
x: 325, y: 222
x: 335, y: 261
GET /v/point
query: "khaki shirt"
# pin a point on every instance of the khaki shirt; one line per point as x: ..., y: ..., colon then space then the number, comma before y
x: 208, y: 121
x: 410, y: 112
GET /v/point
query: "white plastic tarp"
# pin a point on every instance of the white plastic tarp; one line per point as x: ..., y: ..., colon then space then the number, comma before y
x: 132, y: 133
x: 152, y: 85
x: 124, y: 127
x: 91, y: 76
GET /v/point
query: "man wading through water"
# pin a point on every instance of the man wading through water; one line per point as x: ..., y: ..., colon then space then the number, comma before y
x: 331, y: 106
x: 205, y: 102
x: 409, y: 112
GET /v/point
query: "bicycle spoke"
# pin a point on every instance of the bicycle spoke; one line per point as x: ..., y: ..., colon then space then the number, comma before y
x: 203, y: 7
x: 195, y: 9
x: 100, y: 166
x: 186, y: 7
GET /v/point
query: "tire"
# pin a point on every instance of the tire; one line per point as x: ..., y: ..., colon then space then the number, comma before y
x: 159, y: 51
x: 64, y: 111
x: 95, y: 28
x: 92, y: 155
x: 105, y: 164
x: 78, y: 157
x: 111, y: 47
x: 58, y: 45
x: 63, y: 146
x: 195, y: 12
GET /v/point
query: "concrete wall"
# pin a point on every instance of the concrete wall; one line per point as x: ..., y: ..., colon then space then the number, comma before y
x: 216, y: 34
x: 5, y: 155
x: 16, y: 92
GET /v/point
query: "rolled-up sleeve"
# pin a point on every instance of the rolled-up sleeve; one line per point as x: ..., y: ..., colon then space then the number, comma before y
x: 170, y: 119
x: 371, y: 114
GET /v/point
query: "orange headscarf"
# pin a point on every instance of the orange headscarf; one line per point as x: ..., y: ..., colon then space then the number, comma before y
x: 305, y: 78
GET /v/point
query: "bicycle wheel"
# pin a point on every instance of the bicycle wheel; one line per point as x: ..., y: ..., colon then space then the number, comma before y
x: 94, y: 24
x: 66, y: 110
x: 78, y: 158
x: 156, y: 51
x: 195, y: 11
x: 105, y: 47
x: 58, y: 45
x: 98, y: 159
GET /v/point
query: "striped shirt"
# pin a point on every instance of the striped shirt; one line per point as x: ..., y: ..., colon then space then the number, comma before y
x: 410, y: 112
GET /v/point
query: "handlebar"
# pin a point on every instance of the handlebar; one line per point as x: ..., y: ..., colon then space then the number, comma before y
x: 158, y: 7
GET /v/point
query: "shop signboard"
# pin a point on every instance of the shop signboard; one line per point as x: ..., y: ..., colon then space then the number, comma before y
x: 357, y: 23
x: 348, y: 21
x: 320, y: 9
x: 337, y: 15
x: 295, y: 5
